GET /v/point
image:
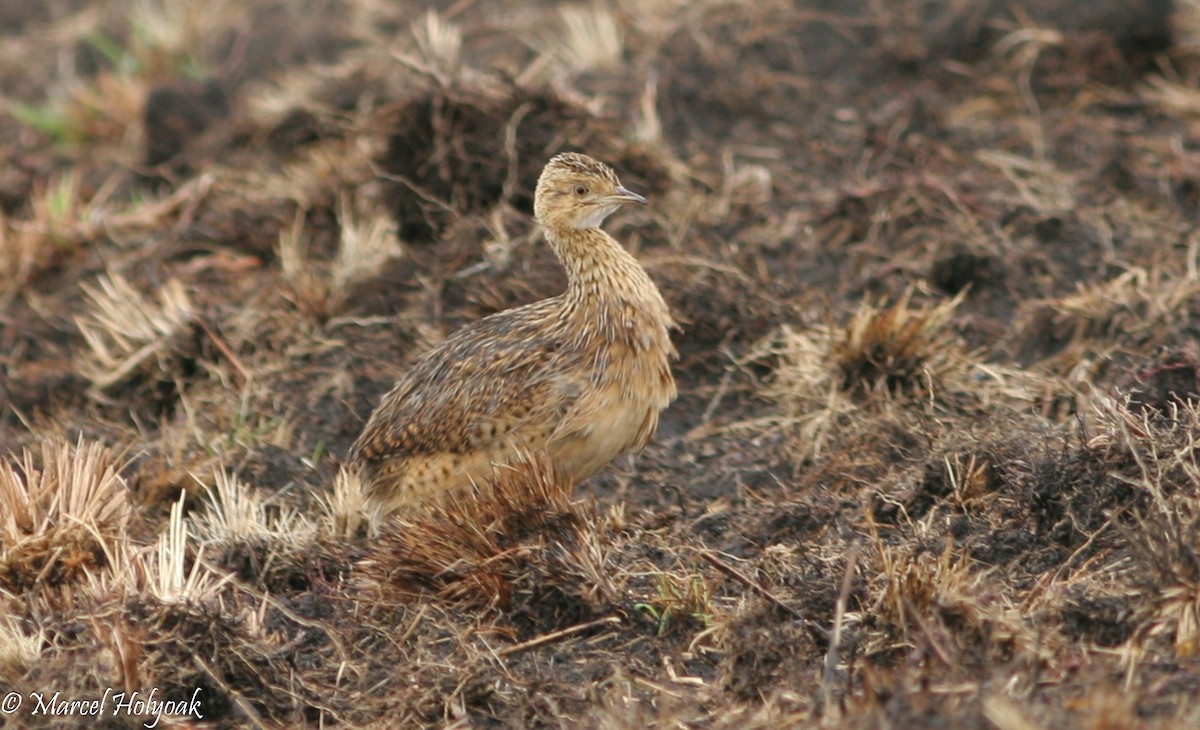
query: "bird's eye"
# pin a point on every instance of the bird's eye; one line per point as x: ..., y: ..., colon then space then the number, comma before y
x: 581, y: 190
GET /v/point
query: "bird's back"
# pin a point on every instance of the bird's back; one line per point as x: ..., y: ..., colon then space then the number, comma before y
x: 490, y: 388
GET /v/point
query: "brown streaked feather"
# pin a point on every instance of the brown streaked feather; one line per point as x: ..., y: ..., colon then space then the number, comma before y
x: 476, y: 387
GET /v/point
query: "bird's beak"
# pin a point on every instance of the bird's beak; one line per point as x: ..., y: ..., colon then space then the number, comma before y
x: 626, y: 196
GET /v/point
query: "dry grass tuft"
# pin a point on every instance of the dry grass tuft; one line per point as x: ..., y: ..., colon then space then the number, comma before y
x: 235, y: 512
x: 63, y: 511
x: 100, y: 109
x: 438, y: 48
x: 364, y: 246
x: 321, y: 289
x: 897, y: 349
x: 1173, y: 94
x: 345, y: 508
x: 127, y: 333
x: 20, y: 646
x: 884, y: 352
x: 1133, y: 311
x: 1133, y: 304
x: 20, y: 254
x: 171, y: 570
x: 517, y: 540
x: 947, y: 603
x: 1166, y: 546
x: 889, y: 357
x: 175, y: 34
x: 265, y: 543
x: 591, y: 41
x: 1160, y: 464
x: 59, y: 221
x: 165, y: 569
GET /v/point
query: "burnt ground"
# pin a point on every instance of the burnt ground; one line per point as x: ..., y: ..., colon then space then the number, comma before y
x: 934, y: 460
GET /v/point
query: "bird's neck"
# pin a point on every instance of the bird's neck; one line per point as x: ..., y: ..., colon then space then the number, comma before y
x: 610, y: 298
x: 598, y: 268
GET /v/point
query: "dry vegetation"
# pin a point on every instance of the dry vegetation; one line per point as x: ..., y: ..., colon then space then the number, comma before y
x: 935, y: 459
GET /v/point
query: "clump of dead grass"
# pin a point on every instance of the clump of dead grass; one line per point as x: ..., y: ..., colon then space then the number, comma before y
x: 21, y: 645
x: 517, y: 540
x: 173, y: 35
x: 897, y: 349
x: 60, y: 219
x: 65, y: 216
x: 1166, y: 543
x: 260, y: 538
x: 322, y: 288
x: 171, y: 570
x: 438, y: 48
x: 174, y: 585
x: 588, y: 40
x: 897, y: 356
x: 21, y: 252
x: 1135, y: 302
x: 1160, y: 465
x: 1171, y: 93
x: 345, y: 511
x: 64, y: 510
x: 103, y: 109
x: 234, y: 512
x: 1135, y: 309
x: 946, y: 602
x: 127, y: 333
x: 883, y: 350
x: 152, y: 41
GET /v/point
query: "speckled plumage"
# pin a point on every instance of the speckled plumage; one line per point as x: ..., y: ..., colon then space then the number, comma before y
x: 581, y: 376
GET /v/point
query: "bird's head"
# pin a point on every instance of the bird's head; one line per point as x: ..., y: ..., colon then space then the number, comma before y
x: 576, y: 191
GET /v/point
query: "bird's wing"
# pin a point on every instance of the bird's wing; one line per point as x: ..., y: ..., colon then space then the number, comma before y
x: 503, y: 375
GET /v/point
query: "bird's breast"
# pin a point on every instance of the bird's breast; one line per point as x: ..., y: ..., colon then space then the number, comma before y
x: 615, y: 424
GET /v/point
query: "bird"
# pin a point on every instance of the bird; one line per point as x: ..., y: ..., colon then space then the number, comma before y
x: 580, y: 377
